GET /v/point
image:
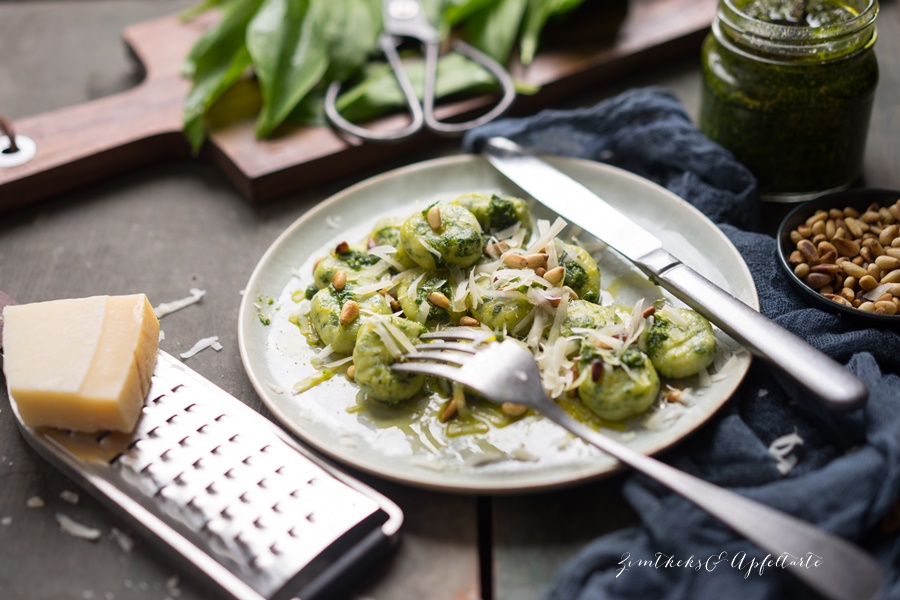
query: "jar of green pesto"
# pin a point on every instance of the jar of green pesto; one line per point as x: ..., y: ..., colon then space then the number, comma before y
x: 788, y: 88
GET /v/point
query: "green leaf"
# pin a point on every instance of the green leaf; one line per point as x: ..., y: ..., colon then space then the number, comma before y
x: 288, y: 55
x: 379, y: 92
x: 220, y: 61
x: 349, y: 30
x: 196, y: 11
x: 536, y: 16
x: 494, y: 29
x: 310, y: 112
x: 458, y: 11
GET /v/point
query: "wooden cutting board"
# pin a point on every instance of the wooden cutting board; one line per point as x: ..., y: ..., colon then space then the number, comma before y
x: 82, y: 144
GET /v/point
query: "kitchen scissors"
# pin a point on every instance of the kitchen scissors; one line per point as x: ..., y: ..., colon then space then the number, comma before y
x: 406, y: 19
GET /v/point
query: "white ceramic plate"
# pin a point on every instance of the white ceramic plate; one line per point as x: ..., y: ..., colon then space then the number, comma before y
x: 530, y: 454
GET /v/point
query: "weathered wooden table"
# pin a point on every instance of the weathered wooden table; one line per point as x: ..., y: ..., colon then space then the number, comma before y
x: 167, y: 228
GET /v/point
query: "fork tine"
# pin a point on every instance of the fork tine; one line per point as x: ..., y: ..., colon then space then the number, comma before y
x: 428, y: 368
x: 467, y: 348
x: 449, y: 358
x: 457, y: 334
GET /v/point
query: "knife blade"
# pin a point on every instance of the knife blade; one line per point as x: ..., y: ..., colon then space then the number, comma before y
x: 814, y: 372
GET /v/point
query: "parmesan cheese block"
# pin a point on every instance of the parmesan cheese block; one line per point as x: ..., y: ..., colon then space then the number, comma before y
x: 82, y: 364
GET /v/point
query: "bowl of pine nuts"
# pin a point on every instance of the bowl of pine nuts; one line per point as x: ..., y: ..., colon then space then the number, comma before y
x: 842, y: 251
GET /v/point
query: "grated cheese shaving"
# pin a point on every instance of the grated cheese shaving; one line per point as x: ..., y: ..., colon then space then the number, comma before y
x: 781, y: 450
x: 167, y: 308
x: 371, y: 288
x: 399, y: 336
x: 75, y: 529
x: 388, y: 340
x: 704, y: 378
x: 546, y: 236
x: 412, y: 291
x: 430, y: 248
x: 674, y: 315
x: 384, y: 252
x: 202, y: 344
x: 423, y: 312
x: 664, y: 416
x: 507, y: 233
x: 373, y: 272
x: 337, y: 363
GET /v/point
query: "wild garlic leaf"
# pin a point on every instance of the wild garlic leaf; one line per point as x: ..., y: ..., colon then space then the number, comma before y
x: 536, y: 16
x: 458, y: 11
x: 349, y: 30
x: 223, y: 60
x: 195, y: 11
x: 289, y: 58
x: 494, y: 29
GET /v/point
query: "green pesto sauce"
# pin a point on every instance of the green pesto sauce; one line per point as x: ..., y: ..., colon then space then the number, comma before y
x: 799, y: 125
x: 501, y: 213
x: 821, y: 13
x: 576, y: 276
x: 359, y: 260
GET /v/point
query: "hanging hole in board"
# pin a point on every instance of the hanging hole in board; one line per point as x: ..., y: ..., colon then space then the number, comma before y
x: 25, y: 149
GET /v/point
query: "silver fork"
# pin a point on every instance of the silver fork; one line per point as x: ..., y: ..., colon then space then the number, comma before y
x: 506, y: 372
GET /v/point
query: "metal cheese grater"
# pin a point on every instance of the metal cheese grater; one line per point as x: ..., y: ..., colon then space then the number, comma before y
x: 223, y: 488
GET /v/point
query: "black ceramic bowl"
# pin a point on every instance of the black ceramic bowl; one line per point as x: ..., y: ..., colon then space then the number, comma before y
x: 860, y: 199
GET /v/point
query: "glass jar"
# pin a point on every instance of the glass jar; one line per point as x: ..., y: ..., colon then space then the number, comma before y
x: 791, y: 97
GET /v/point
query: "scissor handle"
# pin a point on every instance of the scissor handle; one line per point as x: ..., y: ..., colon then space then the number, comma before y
x: 500, y: 74
x: 417, y: 119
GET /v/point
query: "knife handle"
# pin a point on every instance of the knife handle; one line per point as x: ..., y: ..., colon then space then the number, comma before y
x: 817, y: 373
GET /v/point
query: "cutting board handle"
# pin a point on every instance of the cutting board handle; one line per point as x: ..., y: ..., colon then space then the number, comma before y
x: 83, y: 144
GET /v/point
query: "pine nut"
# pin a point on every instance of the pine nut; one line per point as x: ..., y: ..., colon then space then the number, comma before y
x: 533, y: 261
x: 892, y: 277
x: 434, y: 217
x: 886, y: 307
x: 349, y: 312
x: 820, y: 215
x: 854, y: 227
x: 868, y: 283
x: 808, y: 251
x: 839, y: 299
x: 468, y: 321
x: 848, y: 248
x: 853, y: 270
x: 818, y: 280
x: 351, y: 372
x: 887, y: 263
x: 516, y: 261
x: 513, y: 410
x: 496, y: 249
x: 339, y: 280
x: 555, y: 275
x: 439, y: 300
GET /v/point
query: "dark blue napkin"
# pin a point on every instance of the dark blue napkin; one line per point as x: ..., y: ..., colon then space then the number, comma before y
x: 847, y: 475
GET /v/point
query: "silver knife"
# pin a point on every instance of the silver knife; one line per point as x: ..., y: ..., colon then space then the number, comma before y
x: 817, y: 374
